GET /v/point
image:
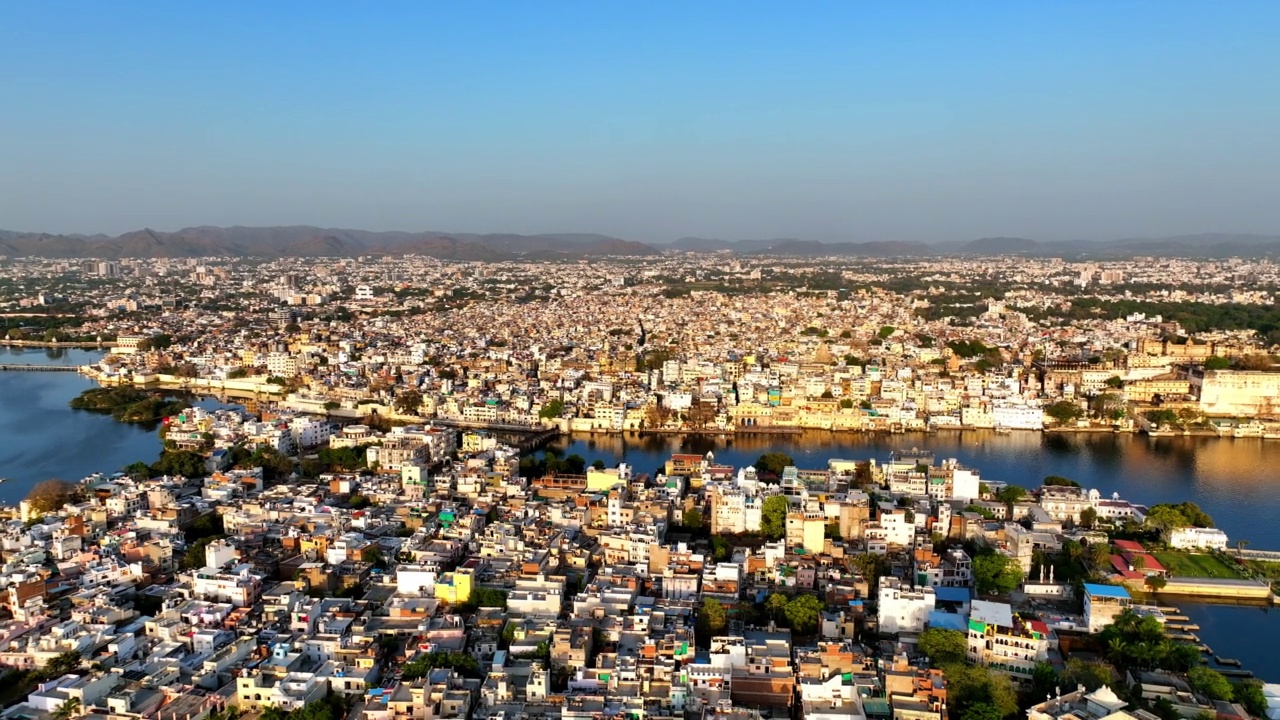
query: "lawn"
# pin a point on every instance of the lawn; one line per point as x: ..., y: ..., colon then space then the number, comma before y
x: 1182, y: 564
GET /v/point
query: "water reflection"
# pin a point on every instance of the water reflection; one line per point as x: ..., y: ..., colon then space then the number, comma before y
x: 1236, y: 481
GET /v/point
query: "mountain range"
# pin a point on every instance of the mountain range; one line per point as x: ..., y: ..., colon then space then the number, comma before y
x: 309, y: 241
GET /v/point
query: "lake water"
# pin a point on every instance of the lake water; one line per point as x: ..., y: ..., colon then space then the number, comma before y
x: 1235, y: 481
x: 42, y: 438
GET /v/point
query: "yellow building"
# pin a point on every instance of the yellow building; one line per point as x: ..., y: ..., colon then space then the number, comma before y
x: 806, y: 530
x: 601, y: 480
x: 454, y: 587
x: 1238, y: 392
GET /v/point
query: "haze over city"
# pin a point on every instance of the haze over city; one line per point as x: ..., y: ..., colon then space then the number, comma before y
x: 844, y: 122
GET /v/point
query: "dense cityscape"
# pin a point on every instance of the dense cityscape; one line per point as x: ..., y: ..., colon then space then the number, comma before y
x: 373, y: 520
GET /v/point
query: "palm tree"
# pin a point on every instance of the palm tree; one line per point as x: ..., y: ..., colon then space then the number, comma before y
x: 1100, y: 553
x: 1139, y: 563
x: 1117, y: 650
x: 67, y: 710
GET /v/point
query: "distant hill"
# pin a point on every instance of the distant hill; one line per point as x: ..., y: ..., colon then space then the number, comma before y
x: 1000, y: 246
x: 1209, y: 245
x: 311, y: 241
x: 308, y: 241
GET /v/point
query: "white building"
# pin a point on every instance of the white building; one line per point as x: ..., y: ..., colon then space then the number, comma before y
x: 1195, y: 537
x: 904, y: 609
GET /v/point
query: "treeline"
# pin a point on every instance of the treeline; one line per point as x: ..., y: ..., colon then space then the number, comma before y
x: 1194, y: 317
x: 127, y: 404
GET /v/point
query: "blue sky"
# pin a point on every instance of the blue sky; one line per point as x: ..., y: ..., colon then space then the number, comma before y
x: 830, y: 121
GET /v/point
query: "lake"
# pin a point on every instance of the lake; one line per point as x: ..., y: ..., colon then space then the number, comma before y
x: 1235, y: 481
x: 44, y: 438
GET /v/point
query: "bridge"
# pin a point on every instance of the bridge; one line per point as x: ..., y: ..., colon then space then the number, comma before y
x: 534, y: 436
x: 40, y: 368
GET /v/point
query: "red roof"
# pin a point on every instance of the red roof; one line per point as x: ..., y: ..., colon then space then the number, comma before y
x: 1122, y: 567
x: 1129, y: 545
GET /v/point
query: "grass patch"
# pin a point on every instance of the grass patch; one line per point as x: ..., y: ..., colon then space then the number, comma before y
x: 1182, y: 564
x: 1264, y: 569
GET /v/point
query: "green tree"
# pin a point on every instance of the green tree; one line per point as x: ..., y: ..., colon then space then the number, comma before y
x: 721, y: 549
x: 995, y: 574
x: 1092, y: 674
x: 885, y: 332
x: 1115, y: 382
x: 982, y: 711
x: 773, y: 517
x: 179, y: 462
x: 943, y: 646
x: 804, y: 613
x: 1064, y: 412
x: 1210, y: 683
x: 776, y: 604
x: 489, y: 597
x: 712, y: 620
x: 1155, y: 583
x: 971, y: 686
x: 552, y: 409
x: 67, y: 710
x: 772, y: 464
x: 1100, y: 554
x: 1088, y: 517
x: 692, y: 520
x: 1216, y: 363
x: 62, y: 664
x: 373, y: 555
x: 408, y: 402
x: 1249, y: 694
x: 1011, y: 494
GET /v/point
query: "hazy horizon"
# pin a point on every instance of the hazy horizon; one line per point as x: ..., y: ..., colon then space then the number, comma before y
x: 930, y: 123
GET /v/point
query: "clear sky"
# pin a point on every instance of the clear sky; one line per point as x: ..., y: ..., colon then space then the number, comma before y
x: 846, y: 120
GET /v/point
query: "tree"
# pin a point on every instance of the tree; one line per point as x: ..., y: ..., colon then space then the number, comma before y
x: 773, y: 517
x: 1010, y: 494
x: 179, y: 462
x: 712, y: 619
x: 943, y: 646
x: 138, y: 470
x: 982, y: 711
x: 489, y: 597
x: 1210, y: 683
x: 886, y: 331
x: 692, y: 520
x: 1249, y: 694
x: 49, y: 495
x: 1215, y: 362
x: 1092, y: 674
x: 772, y: 464
x: 1088, y: 517
x: 1115, y: 382
x: 803, y: 613
x: 995, y: 574
x: 969, y: 687
x: 1064, y: 411
x: 1155, y: 583
x: 373, y: 555
x: 62, y: 663
x: 1100, y: 554
x: 552, y: 409
x: 776, y: 605
x: 721, y: 549
x: 408, y: 402
x: 67, y: 710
